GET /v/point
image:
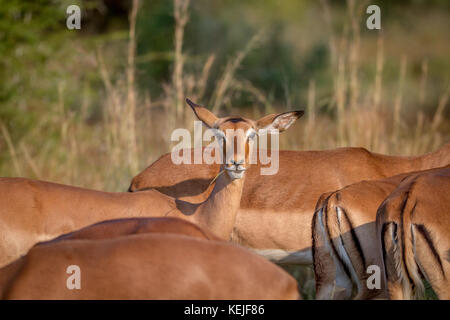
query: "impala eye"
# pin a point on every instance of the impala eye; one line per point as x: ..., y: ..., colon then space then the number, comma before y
x: 252, y: 135
x: 219, y: 135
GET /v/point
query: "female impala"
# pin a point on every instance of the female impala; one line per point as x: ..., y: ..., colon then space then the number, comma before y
x: 413, y: 226
x: 33, y: 211
x: 144, y: 258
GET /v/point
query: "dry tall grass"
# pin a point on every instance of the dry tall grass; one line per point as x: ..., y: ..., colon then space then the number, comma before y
x: 135, y: 129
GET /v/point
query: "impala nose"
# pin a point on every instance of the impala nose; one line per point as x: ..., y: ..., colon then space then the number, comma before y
x: 236, y: 163
x: 235, y: 169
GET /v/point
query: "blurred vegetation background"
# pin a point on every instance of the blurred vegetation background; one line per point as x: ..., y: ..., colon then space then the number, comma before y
x: 93, y: 107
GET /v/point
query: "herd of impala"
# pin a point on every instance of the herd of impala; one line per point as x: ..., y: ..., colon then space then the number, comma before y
x: 213, y: 231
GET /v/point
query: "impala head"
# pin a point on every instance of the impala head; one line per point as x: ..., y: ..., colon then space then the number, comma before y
x: 237, y: 134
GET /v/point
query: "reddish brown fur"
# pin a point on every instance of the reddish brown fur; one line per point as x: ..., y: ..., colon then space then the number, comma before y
x: 359, y: 203
x: 144, y: 259
x: 123, y: 227
x: 413, y: 226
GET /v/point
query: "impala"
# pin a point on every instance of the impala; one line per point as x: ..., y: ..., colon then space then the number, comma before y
x: 33, y: 211
x: 276, y: 211
x: 345, y: 238
x: 414, y: 235
x: 144, y: 258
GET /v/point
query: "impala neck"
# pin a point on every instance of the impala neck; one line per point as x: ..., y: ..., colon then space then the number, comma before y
x: 218, y: 211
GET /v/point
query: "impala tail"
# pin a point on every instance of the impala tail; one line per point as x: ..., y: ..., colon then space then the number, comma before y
x: 331, y: 273
x: 398, y: 243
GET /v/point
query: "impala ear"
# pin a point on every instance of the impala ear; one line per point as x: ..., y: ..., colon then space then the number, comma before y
x: 203, y: 114
x: 279, y: 121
